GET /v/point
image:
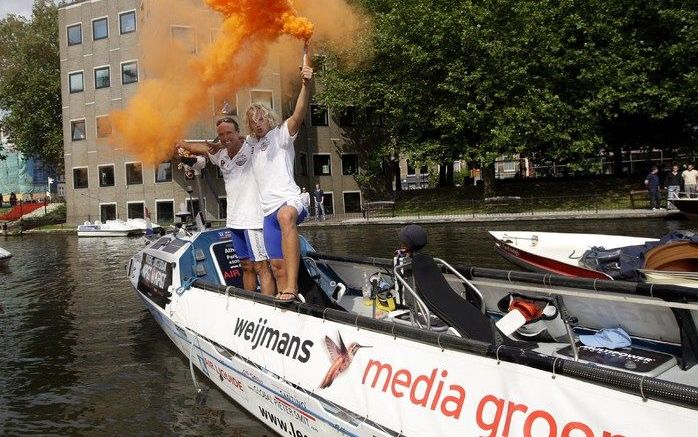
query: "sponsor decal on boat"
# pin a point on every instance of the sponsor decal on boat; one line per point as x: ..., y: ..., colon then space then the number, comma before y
x: 224, y: 234
x: 437, y: 392
x: 261, y: 335
x: 223, y: 374
x: 340, y: 358
x: 286, y: 427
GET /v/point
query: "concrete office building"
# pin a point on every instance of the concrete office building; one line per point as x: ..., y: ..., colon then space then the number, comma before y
x: 101, y: 68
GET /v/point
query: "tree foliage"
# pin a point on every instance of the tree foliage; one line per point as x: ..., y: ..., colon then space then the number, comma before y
x: 560, y: 80
x: 30, y: 85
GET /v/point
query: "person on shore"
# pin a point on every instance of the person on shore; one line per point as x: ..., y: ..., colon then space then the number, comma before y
x: 280, y: 196
x: 672, y: 182
x: 652, y: 184
x: 690, y: 175
x: 13, y: 199
x: 244, y: 213
x: 1, y: 200
x: 319, y: 196
x: 306, y: 199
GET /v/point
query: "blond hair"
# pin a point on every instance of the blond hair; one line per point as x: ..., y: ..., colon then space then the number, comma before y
x: 268, y: 115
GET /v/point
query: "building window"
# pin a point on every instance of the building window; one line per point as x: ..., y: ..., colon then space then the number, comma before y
x: 328, y: 201
x: 318, y: 115
x: 352, y: 201
x: 264, y: 97
x: 107, y: 211
x: 163, y: 173
x: 193, y: 206
x: 102, y: 77
x: 134, y: 173
x: 135, y: 210
x: 185, y: 36
x: 165, y: 211
x: 106, y: 175
x: 347, y: 117
x: 100, y: 28
x: 76, y: 82
x: 222, y: 208
x: 129, y: 72
x: 127, y: 22
x: 77, y: 130
x: 350, y: 164
x: 80, y: 178
x: 103, y: 126
x: 303, y: 163
x: 75, y: 34
x: 322, y: 165
x: 510, y: 166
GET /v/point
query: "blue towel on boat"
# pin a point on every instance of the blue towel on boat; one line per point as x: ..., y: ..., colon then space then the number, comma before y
x: 609, y: 338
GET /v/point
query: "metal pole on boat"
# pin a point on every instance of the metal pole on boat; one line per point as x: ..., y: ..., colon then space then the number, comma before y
x: 568, y: 320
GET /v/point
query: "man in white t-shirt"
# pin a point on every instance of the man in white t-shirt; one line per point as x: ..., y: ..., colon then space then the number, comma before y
x: 690, y: 175
x: 244, y: 214
x: 280, y: 196
x: 305, y: 196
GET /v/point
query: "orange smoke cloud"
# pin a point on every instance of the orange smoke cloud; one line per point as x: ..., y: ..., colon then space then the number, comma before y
x: 164, y: 107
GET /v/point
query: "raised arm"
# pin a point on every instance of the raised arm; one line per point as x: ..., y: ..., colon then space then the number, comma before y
x: 296, y: 119
x: 198, y: 148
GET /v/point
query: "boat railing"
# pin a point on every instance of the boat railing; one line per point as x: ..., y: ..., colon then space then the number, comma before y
x: 466, y: 281
x: 398, y: 271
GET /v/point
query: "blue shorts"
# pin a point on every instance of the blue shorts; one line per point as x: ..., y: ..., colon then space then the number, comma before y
x: 272, y: 231
x: 249, y: 244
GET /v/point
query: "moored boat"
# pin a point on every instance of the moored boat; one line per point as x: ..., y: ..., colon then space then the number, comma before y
x: 557, y: 252
x: 112, y: 228
x: 425, y: 356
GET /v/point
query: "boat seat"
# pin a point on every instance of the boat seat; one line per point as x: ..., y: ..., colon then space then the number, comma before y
x: 444, y: 302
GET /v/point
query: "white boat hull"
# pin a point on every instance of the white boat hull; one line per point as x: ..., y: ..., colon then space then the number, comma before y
x: 278, y: 364
x: 428, y: 391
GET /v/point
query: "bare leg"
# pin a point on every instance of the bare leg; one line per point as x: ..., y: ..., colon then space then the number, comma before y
x: 290, y: 246
x: 278, y: 268
x: 266, y: 280
x: 249, y: 277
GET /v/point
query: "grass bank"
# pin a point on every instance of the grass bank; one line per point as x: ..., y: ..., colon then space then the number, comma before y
x: 526, y: 195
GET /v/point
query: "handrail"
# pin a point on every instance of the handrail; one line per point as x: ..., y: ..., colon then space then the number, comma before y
x: 423, y: 307
x: 462, y: 278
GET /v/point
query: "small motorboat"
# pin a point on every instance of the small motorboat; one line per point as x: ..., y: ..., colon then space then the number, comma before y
x: 556, y: 252
x: 413, y: 346
x: 117, y: 228
x: 110, y: 228
x: 673, y: 259
x: 145, y: 225
x: 4, y: 256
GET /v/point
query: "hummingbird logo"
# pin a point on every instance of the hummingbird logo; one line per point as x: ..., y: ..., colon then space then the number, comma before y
x: 340, y: 357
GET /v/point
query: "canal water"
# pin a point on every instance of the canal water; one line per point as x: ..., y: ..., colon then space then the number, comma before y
x: 79, y: 354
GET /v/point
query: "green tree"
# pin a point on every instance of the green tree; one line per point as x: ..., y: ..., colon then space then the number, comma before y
x: 30, y: 85
x: 558, y: 79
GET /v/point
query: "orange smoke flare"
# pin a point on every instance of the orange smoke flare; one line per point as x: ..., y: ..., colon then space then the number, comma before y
x: 163, y: 108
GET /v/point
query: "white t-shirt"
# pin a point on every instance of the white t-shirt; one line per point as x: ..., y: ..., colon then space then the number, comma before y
x: 244, y: 211
x: 273, y: 168
x: 689, y: 176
